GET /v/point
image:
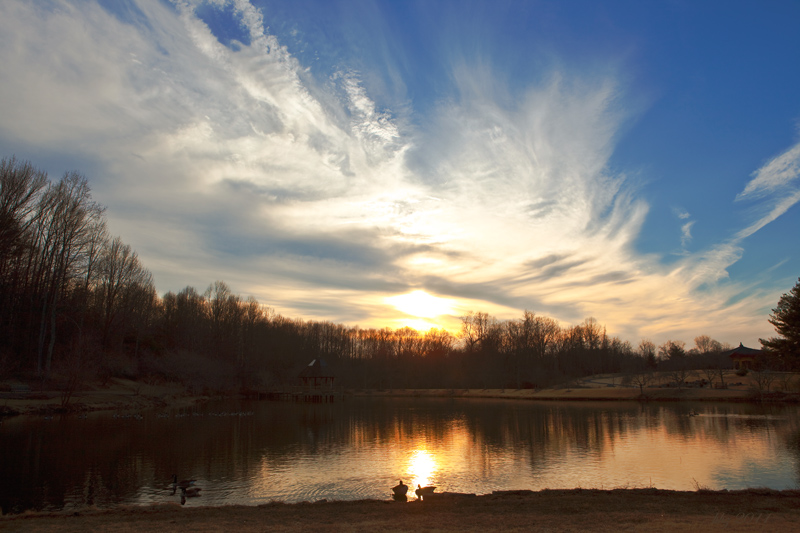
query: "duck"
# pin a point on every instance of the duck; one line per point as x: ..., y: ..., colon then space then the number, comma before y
x: 400, y: 489
x: 184, y: 484
x: 421, y: 492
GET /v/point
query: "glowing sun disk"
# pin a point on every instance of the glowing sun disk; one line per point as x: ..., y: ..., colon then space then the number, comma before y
x: 420, y: 304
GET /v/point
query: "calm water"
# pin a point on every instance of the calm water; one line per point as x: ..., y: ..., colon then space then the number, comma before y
x: 255, y: 452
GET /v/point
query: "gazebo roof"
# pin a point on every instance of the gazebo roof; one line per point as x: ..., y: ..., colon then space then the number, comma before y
x: 316, y: 369
x: 742, y: 351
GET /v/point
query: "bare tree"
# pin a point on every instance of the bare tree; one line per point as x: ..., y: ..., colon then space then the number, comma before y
x: 121, y: 276
x: 721, y: 374
x: 594, y: 335
x: 710, y: 373
x: 474, y: 329
x: 647, y: 351
x: 763, y: 379
x: 20, y: 187
x: 679, y: 376
x: 642, y: 380
x: 706, y: 344
x: 64, y: 229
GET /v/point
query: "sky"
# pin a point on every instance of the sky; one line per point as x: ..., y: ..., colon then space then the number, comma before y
x: 401, y: 163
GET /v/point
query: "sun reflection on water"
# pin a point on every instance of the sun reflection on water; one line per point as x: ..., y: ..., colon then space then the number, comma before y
x: 421, y: 468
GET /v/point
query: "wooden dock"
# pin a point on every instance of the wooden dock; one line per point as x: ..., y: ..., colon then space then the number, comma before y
x: 307, y: 396
x: 315, y: 385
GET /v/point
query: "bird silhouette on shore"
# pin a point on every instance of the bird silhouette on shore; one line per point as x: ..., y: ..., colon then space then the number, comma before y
x: 183, y: 484
x: 191, y: 492
x: 422, y: 492
x: 399, y: 491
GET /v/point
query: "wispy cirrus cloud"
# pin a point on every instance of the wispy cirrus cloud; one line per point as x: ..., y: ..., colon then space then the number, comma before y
x: 234, y: 162
x: 777, y: 174
x: 776, y: 186
x: 686, y: 227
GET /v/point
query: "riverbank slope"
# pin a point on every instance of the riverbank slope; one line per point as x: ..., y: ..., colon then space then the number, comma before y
x: 115, y: 395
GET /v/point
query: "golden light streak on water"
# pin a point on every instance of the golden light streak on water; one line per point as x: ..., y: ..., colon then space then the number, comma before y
x: 422, y: 466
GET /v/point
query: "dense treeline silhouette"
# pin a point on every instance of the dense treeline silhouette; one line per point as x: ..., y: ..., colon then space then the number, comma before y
x: 76, y: 304
x: 66, y: 287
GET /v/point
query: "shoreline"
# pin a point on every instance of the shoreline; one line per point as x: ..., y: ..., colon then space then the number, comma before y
x: 126, y: 395
x: 544, y: 511
x: 591, y: 394
x: 117, y: 395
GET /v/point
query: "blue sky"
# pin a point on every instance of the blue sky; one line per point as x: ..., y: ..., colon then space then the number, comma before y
x: 401, y: 163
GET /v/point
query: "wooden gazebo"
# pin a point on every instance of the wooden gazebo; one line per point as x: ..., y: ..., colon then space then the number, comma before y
x: 317, y: 376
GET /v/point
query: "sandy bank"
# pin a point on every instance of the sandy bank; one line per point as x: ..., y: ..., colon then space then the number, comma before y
x: 544, y: 511
x: 116, y: 395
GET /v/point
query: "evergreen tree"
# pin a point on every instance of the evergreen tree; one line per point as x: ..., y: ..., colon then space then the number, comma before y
x: 786, y: 319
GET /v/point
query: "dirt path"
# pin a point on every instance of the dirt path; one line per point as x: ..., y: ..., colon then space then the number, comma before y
x: 545, y: 511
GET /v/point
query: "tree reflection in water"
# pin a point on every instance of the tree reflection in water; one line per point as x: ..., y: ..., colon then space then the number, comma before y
x: 359, y: 448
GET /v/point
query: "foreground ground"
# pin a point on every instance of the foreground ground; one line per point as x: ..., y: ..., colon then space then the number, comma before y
x: 545, y: 511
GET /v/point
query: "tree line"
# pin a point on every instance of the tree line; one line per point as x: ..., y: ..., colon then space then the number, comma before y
x: 65, y: 284
x: 76, y: 303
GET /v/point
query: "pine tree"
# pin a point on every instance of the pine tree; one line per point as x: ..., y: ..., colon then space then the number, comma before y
x: 786, y: 319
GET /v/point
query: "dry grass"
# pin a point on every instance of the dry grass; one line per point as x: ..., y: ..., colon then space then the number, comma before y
x: 118, y: 394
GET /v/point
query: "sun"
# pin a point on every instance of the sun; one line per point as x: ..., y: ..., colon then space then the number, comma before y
x: 420, y: 304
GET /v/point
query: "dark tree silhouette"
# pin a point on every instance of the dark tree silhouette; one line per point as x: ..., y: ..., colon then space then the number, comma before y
x: 786, y: 319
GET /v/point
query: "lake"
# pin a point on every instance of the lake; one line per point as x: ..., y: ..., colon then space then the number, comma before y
x: 249, y: 452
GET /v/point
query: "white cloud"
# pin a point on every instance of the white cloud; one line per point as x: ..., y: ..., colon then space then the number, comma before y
x: 681, y: 213
x: 686, y: 233
x: 229, y: 164
x: 780, y: 206
x: 774, y: 184
x: 777, y: 174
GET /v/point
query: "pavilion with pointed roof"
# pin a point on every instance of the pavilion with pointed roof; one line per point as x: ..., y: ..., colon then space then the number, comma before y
x: 317, y: 375
x: 743, y: 357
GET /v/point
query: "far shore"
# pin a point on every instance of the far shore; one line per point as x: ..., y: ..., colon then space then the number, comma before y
x: 126, y: 395
x: 592, y: 394
x: 543, y: 511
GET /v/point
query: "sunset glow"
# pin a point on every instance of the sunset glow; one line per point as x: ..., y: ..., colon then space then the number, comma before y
x: 576, y: 162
